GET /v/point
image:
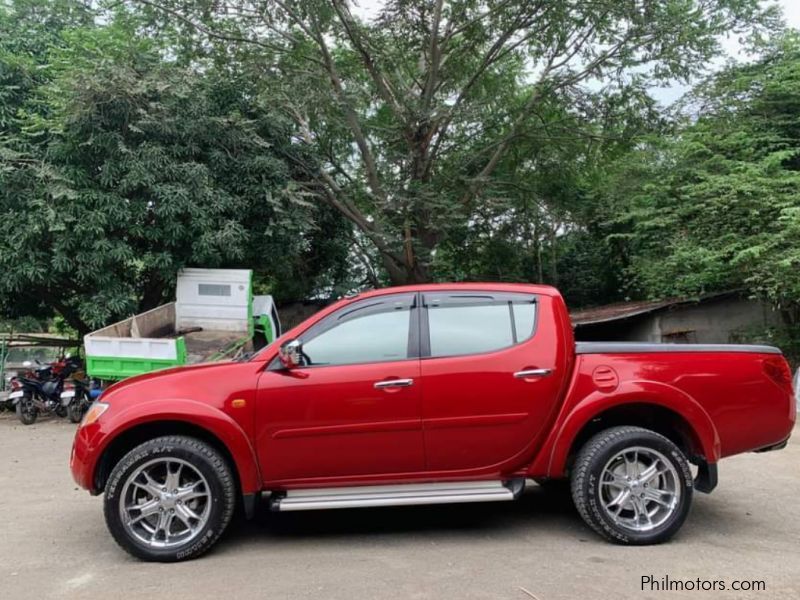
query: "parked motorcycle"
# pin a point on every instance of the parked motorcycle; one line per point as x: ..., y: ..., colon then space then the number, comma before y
x: 78, y: 395
x: 39, y: 389
x: 6, y: 403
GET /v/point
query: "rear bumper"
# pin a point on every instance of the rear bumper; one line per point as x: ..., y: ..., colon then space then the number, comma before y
x: 770, y: 448
x: 707, y: 475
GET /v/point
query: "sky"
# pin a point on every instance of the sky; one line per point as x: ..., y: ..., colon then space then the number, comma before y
x: 791, y: 14
x: 666, y: 95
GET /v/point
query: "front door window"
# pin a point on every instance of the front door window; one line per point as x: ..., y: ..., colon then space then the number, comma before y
x: 372, y: 334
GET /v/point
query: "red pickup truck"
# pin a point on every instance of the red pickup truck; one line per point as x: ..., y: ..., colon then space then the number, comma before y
x: 422, y: 395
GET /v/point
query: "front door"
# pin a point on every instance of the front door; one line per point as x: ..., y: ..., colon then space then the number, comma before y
x: 353, y: 409
x: 489, y: 375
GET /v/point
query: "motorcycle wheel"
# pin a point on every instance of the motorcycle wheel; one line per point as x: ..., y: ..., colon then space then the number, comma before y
x: 61, y: 411
x: 26, y: 411
x: 75, y: 412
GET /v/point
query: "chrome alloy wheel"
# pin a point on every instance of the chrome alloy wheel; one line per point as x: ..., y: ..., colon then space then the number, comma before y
x: 166, y: 502
x: 639, y: 489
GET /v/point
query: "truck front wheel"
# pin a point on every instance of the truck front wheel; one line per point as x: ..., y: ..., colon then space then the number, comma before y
x: 632, y: 486
x: 169, y: 499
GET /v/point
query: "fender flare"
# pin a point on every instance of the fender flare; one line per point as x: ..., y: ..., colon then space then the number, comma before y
x: 630, y: 392
x: 196, y: 414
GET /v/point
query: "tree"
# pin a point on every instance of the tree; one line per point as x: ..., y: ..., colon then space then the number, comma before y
x: 123, y: 168
x: 717, y: 207
x: 411, y: 115
x: 543, y: 223
x: 28, y: 31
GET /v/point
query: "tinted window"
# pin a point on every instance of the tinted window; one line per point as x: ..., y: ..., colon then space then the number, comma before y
x: 375, y: 336
x: 213, y: 289
x: 525, y: 319
x: 479, y: 327
x: 469, y: 329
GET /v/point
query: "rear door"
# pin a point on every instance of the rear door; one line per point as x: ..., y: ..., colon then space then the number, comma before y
x: 488, y: 378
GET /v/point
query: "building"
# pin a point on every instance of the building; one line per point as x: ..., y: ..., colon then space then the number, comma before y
x: 712, y: 319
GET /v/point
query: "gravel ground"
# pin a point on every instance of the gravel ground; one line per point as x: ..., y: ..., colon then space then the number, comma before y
x: 54, y: 544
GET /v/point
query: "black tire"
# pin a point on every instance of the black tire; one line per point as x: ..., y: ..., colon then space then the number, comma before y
x: 75, y: 411
x: 586, y: 488
x: 27, y: 413
x: 203, y: 457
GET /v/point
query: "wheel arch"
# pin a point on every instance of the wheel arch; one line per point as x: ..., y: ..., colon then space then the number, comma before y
x: 128, y: 439
x: 665, y: 421
x: 651, y: 405
x: 185, y: 418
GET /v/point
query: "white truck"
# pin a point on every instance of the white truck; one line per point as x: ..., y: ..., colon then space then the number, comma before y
x: 214, y: 316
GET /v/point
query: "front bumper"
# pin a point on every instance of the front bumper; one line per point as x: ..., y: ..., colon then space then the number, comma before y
x: 84, y: 456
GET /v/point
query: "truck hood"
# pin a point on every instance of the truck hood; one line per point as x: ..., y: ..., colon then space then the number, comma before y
x: 156, y: 379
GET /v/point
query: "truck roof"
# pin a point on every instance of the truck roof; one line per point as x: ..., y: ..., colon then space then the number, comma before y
x: 525, y: 288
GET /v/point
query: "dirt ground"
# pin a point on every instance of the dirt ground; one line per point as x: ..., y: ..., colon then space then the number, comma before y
x: 54, y: 544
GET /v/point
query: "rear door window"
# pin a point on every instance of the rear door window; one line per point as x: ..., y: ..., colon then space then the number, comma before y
x: 459, y: 324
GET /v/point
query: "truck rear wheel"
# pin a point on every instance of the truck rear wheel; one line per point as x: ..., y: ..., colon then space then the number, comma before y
x: 169, y: 499
x: 632, y: 486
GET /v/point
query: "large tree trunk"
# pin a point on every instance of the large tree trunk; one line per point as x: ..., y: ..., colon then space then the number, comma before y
x: 153, y: 294
x: 71, y: 316
x: 407, y: 272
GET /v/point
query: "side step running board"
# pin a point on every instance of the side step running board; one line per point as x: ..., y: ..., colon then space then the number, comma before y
x: 397, y: 495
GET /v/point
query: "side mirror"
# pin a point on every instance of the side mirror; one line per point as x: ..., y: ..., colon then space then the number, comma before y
x: 291, y: 354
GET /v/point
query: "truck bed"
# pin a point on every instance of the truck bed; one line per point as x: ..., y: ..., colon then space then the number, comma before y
x: 154, y: 340
x: 203, y: 345
x: 741, y: 392
x: 649, y: 347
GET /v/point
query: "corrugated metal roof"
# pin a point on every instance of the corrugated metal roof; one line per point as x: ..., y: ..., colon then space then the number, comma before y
x: 613, y: 312
x: 626, y: 310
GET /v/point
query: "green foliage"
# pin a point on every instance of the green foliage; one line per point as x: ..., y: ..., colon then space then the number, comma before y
x: 125, y: 167
x: 718, y: 206
x: 28, y: 30
x: 423, y: 122
x: 502, y: 140
x: 21, y: 325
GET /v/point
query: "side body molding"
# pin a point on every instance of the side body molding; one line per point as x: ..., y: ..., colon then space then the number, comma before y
x: 575, y: 414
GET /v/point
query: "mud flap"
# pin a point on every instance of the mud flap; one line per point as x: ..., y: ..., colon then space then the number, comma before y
x: 706, y: 479
x: 249, y: 503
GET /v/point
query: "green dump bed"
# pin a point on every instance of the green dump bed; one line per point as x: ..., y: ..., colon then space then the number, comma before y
x: 212, y: 318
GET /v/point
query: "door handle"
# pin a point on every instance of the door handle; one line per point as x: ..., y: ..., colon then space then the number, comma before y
x: 393, y: 383
x: 533, y: 373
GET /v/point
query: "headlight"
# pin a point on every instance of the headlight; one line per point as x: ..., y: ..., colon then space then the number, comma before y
x: 94, y: 412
